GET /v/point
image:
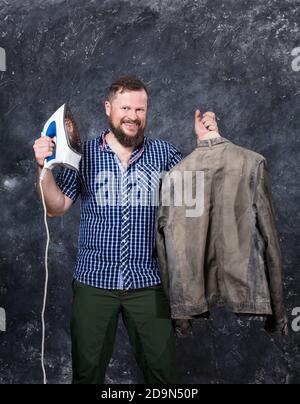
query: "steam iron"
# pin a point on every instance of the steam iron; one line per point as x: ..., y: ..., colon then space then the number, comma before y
x: 62, y: 128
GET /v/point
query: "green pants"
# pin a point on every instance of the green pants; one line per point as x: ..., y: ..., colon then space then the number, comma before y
x: 146, y: 316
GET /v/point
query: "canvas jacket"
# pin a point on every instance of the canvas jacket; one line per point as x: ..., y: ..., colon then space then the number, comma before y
x: 228, y: 253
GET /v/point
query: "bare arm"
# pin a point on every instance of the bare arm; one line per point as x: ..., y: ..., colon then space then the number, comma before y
x: 56, y: 202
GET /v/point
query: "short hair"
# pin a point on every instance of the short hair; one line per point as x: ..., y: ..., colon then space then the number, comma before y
x: 124, y: 83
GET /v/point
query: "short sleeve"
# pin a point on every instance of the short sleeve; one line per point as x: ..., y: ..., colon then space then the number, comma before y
x: 69, y: 182
x: 175, y: 156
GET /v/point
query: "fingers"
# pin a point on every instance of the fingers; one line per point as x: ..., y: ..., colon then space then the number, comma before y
x: 43, y: 148
x: 208, y: 116
x: 44, y: 140
x: 209, y: 121
x: 211, y: 125
x: 211, y: 115
x: 197, y: 115
x: 212, y: 128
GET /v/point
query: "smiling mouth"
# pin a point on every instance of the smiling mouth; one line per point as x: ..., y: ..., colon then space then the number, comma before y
x: 130, y: 125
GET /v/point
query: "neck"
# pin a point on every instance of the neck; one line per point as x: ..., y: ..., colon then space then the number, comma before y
x: 209, y: 135
x: 114, y: 144
x: 122, y: 152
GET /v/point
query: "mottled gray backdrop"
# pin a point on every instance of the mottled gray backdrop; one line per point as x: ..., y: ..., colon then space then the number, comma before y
x: 230, y: 56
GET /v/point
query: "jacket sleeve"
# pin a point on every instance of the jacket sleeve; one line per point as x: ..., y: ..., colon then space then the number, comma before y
x: 162, y: 219
x: 182, y: 327
x: 276, y: 323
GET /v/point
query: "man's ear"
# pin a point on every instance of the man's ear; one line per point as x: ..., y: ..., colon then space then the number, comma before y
x: 107, y: 107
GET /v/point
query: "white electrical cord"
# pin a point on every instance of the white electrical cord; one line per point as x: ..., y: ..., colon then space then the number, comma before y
x: 46, y: 279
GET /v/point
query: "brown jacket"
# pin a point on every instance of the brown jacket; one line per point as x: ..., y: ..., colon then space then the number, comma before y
x: 228, y: 254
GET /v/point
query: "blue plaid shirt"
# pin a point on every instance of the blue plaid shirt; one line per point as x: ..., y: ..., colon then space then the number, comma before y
x: 116, y: 246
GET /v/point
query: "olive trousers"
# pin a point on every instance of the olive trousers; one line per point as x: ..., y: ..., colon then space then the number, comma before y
x: 146, y: 316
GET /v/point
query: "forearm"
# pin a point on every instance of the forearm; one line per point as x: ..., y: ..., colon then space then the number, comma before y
x: 54, y: 198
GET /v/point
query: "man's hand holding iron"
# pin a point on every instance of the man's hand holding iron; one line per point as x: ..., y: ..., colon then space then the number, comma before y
x: 43, y: 148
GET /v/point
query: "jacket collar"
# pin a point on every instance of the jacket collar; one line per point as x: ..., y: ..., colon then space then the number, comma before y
x: 211, y: 142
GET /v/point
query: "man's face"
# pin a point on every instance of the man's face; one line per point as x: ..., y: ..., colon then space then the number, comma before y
x: 127, y: 115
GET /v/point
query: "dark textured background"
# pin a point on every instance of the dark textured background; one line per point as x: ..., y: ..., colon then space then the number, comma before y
x: 229, y: 56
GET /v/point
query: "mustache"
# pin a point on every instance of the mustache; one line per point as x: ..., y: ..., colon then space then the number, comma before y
x: 136, y: 122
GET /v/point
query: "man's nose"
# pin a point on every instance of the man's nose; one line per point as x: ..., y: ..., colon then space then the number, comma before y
x: 132, y: 115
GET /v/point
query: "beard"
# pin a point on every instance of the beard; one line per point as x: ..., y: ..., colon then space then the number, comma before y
x: 125, y: 140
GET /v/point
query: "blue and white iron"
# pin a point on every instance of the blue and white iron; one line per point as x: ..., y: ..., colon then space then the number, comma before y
x: 62, y: 128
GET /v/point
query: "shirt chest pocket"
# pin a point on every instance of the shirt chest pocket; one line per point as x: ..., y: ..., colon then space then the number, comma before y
x: 140, y: 185
x: 146, y: 178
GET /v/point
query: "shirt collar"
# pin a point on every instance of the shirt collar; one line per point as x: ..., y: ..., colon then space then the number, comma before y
x: 102, y: 142
x: 136, y: 154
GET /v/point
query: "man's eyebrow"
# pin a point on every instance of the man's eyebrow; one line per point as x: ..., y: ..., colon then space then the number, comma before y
x: 128, y: 106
